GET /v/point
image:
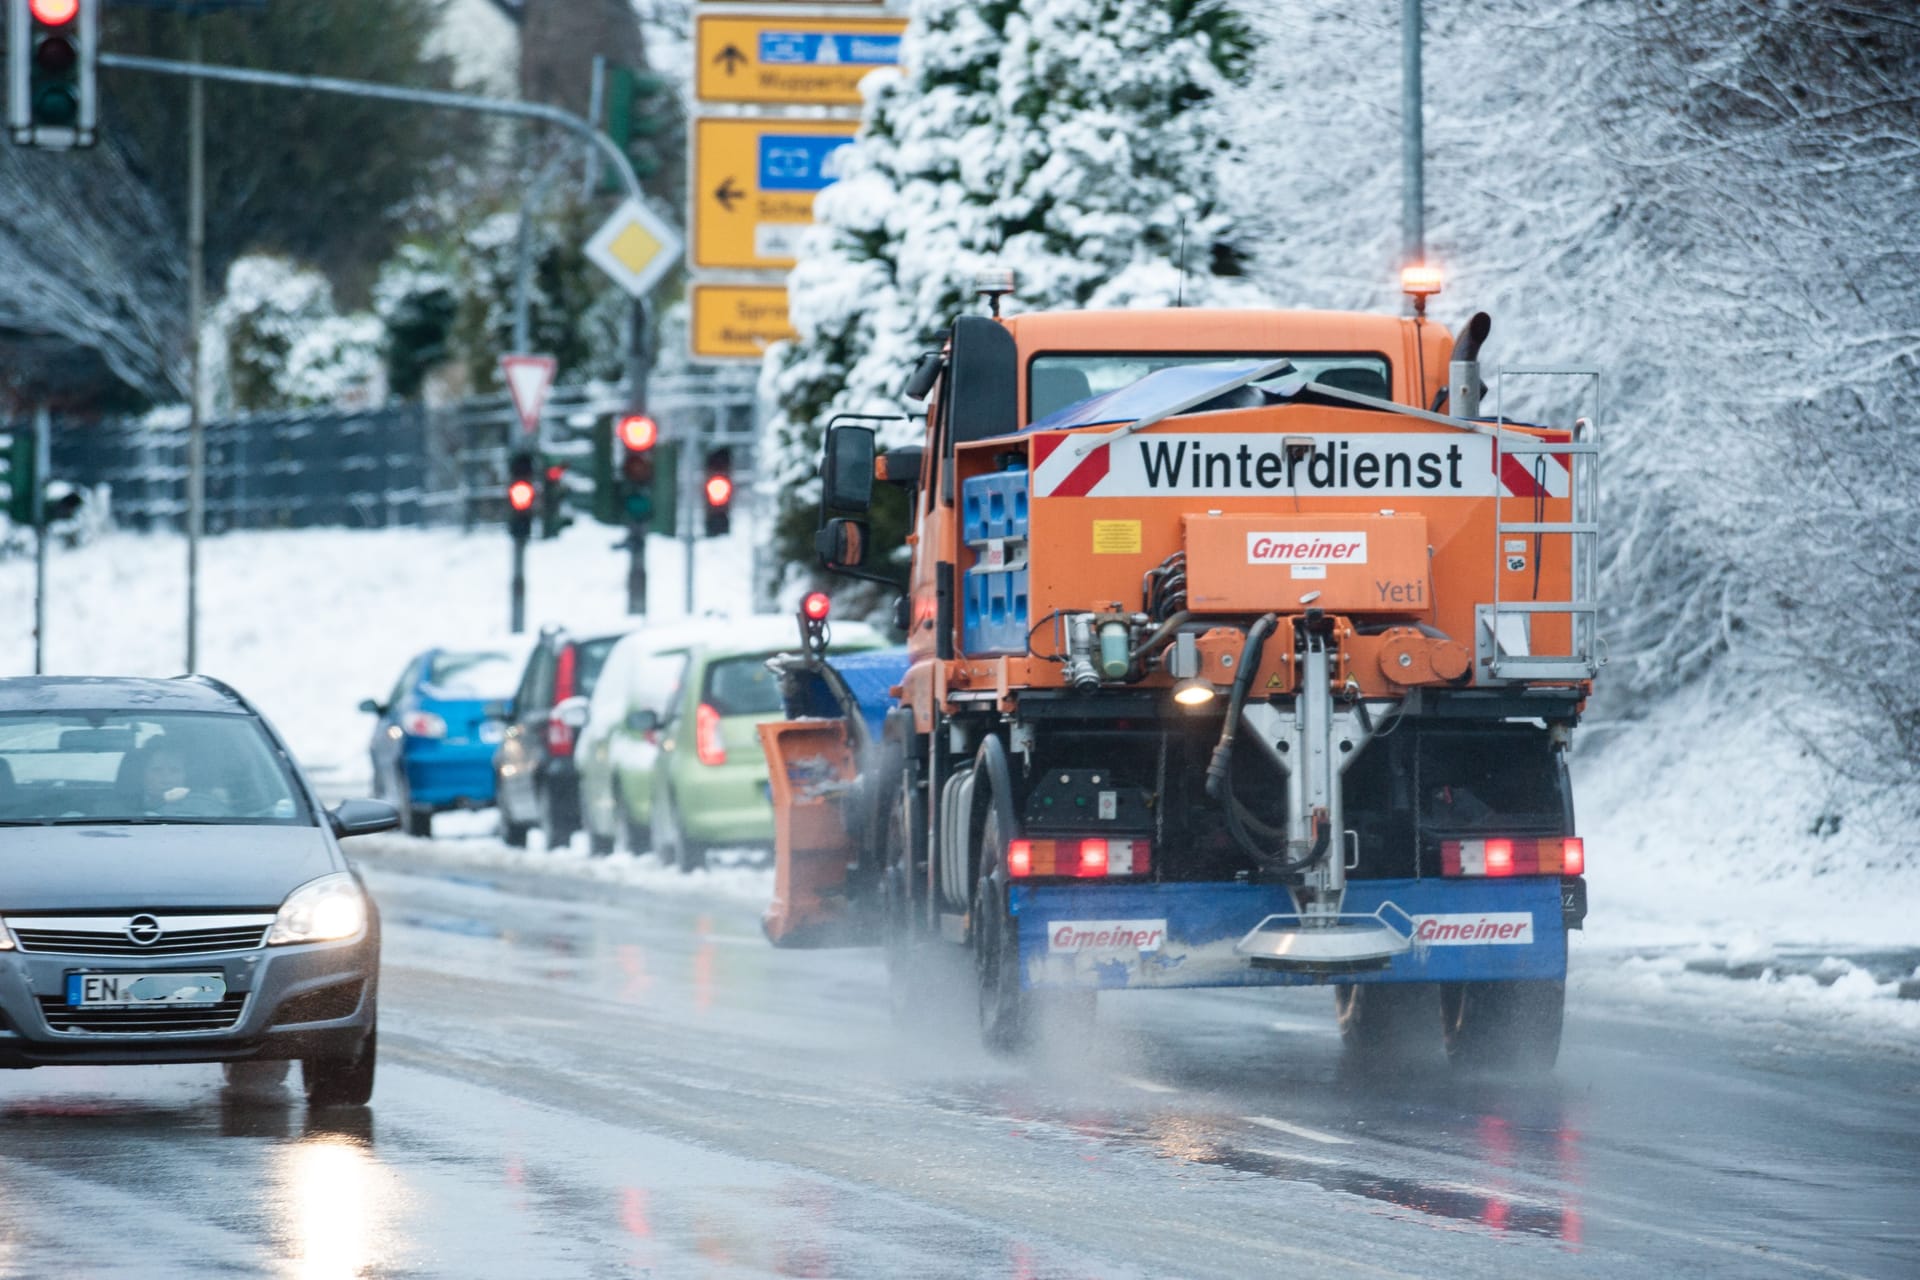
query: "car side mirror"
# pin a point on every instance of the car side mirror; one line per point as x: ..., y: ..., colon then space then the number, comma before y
x: 642, y: 721
x: 372, y: 707
x: 842, y: 544
x: 362, y: 817
x: 571, y: 712
x: 847, y: 473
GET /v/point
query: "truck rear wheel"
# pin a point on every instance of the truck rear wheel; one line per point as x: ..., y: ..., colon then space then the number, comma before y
x: 1006, y: 1025
x: 1503, y: 1026
x: 918, y: 983
x: 1383, y: 1023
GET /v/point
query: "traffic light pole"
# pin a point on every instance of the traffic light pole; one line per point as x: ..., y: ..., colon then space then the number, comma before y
x: 196, y: 302
x: 42, y: 468
x: 639, y: 367
x: 517, y: 592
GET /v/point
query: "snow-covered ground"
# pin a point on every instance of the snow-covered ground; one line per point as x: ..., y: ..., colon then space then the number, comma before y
x: 1717, y: 846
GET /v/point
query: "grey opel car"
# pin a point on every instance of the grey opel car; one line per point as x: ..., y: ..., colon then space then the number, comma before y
x: 172, y: 891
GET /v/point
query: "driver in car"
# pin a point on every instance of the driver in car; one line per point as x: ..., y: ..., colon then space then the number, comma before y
x: 164, y: 786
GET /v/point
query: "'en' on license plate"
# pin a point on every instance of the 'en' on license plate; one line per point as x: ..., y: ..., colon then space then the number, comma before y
x: 98, y: 990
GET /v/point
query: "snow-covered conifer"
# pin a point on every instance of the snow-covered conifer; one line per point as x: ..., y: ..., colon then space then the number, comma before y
x: 1076, y: 141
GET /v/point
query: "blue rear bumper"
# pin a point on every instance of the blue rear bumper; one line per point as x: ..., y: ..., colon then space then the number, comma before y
x: 447, y: 777
x: 1183, y: 935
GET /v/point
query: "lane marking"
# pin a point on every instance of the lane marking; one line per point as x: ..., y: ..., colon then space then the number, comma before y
x: 1298, y: 1130
x: 1295, y: 1157
x: 1145, y: 1085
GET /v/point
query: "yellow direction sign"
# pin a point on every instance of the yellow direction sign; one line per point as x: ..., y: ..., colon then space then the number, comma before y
x: 738, y: 321
x: 773, y: 58
x: 753, y: 187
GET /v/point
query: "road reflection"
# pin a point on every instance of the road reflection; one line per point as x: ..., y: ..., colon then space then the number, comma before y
x: 337, y: 1202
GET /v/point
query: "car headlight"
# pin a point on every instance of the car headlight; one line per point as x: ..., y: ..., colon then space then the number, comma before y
x: 322, y: 910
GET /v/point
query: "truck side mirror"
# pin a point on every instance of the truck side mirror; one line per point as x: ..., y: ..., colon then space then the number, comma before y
x: 902, y: 467
x: 842, y: 543
x: 847, y: 475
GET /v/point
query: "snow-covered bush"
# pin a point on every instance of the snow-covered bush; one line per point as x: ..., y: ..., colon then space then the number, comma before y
x: 1077, y: 141
x: 285, y: 344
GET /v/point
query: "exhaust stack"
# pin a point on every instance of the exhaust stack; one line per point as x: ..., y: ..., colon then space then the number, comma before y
x: 1463, y: 375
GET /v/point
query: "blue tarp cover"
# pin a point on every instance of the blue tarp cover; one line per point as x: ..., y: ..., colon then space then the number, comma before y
x: 869, y: 674
x: 1155, y: 393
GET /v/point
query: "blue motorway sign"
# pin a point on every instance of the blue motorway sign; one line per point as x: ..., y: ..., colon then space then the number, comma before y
x: 799, y: 161
x: 828, y: 48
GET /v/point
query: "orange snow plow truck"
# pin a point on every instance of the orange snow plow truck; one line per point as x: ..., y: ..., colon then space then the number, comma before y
x: 1242, y: 647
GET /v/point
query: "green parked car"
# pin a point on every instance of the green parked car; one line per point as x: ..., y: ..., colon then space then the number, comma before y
x: 670, y: 757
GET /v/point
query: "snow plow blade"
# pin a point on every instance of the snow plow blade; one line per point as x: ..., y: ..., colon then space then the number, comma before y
x: 810, y: 764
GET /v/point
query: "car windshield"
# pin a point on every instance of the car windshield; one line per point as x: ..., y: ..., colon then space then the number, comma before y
x: 742, y: 687
x: 481, y: 674
x: 589, y: 657
x: 84, y: 767
x: 1055, y: 381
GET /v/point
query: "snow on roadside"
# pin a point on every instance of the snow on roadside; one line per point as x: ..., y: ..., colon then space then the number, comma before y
x: 306, y: 623
x: 467, y: 841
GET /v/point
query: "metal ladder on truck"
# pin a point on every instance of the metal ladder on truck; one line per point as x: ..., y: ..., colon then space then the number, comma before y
x: 1503, y: 628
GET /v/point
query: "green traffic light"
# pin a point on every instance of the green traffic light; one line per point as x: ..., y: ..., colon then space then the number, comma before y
x: 639, y: 506
x: 56, y: 104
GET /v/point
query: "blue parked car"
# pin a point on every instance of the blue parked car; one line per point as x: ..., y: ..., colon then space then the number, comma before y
x: 433, y: 745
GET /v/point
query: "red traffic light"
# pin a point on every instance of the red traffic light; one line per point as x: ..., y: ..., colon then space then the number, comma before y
x: 638, y: 432
x: 719, y: 491
x: 556, y: 473
x: 520, y: 495
x: 816, y: 606
x: 53, y: 13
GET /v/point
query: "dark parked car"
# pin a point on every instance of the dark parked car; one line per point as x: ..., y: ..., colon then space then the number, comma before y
x: 174, y: 891
x: 534, y: 780
x: 433, y: 740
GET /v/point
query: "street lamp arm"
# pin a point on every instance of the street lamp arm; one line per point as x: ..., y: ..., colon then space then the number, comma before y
x: 392, y: 93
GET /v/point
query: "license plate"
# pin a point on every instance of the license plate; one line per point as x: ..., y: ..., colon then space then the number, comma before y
x: 122, y: 990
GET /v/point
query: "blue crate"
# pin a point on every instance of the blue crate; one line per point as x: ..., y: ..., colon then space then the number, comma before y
x: 994, y: 612
x: 994, y: 506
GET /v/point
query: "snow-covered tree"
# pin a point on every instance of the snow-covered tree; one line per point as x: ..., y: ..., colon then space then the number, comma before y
x: 1713, y: 203
x: 286, y: 346
x: 1077, y: 141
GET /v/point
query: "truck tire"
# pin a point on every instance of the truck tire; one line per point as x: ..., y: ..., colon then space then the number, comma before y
x: 1503, y: 1026
x: 1005, y: 1022
x: 1386, y: 1022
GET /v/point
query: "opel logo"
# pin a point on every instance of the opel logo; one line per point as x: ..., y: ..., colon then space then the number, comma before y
x: 143, y: 931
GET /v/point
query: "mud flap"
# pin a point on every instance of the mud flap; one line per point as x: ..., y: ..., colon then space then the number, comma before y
x: 811, y: 766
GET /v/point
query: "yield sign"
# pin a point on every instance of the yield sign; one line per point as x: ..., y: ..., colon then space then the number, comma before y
x: 528, y: 380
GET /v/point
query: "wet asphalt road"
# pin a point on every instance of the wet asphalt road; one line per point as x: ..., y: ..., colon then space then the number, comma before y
x: 588, y: 1080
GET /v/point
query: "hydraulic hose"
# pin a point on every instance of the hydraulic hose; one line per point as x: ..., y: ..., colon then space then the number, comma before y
x: 1217, y: 785
x: 1160, y: 637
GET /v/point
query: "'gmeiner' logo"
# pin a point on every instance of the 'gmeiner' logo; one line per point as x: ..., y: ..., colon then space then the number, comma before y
x: 1306, y: 548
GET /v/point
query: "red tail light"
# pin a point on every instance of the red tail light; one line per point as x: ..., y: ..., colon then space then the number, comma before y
x: 708, y: 745
x: 1573, y: 856
x: 1019, y: 858
x: 1093, y: 857
x: 1514, y: 856
x: 423, y: 724
x: 1499, y: 854
x: 559, y: 735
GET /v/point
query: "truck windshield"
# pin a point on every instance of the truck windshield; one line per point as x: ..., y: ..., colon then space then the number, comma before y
x: 1058, y: 379
x: 62, y: 768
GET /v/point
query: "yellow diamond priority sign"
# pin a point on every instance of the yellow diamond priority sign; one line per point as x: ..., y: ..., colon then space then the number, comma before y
x: 636, y: 247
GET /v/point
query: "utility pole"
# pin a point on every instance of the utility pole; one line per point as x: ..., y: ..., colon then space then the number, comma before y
x: 1412, y: 145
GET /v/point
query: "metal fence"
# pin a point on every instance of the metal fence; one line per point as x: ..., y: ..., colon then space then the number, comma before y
x: 403, y: 464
